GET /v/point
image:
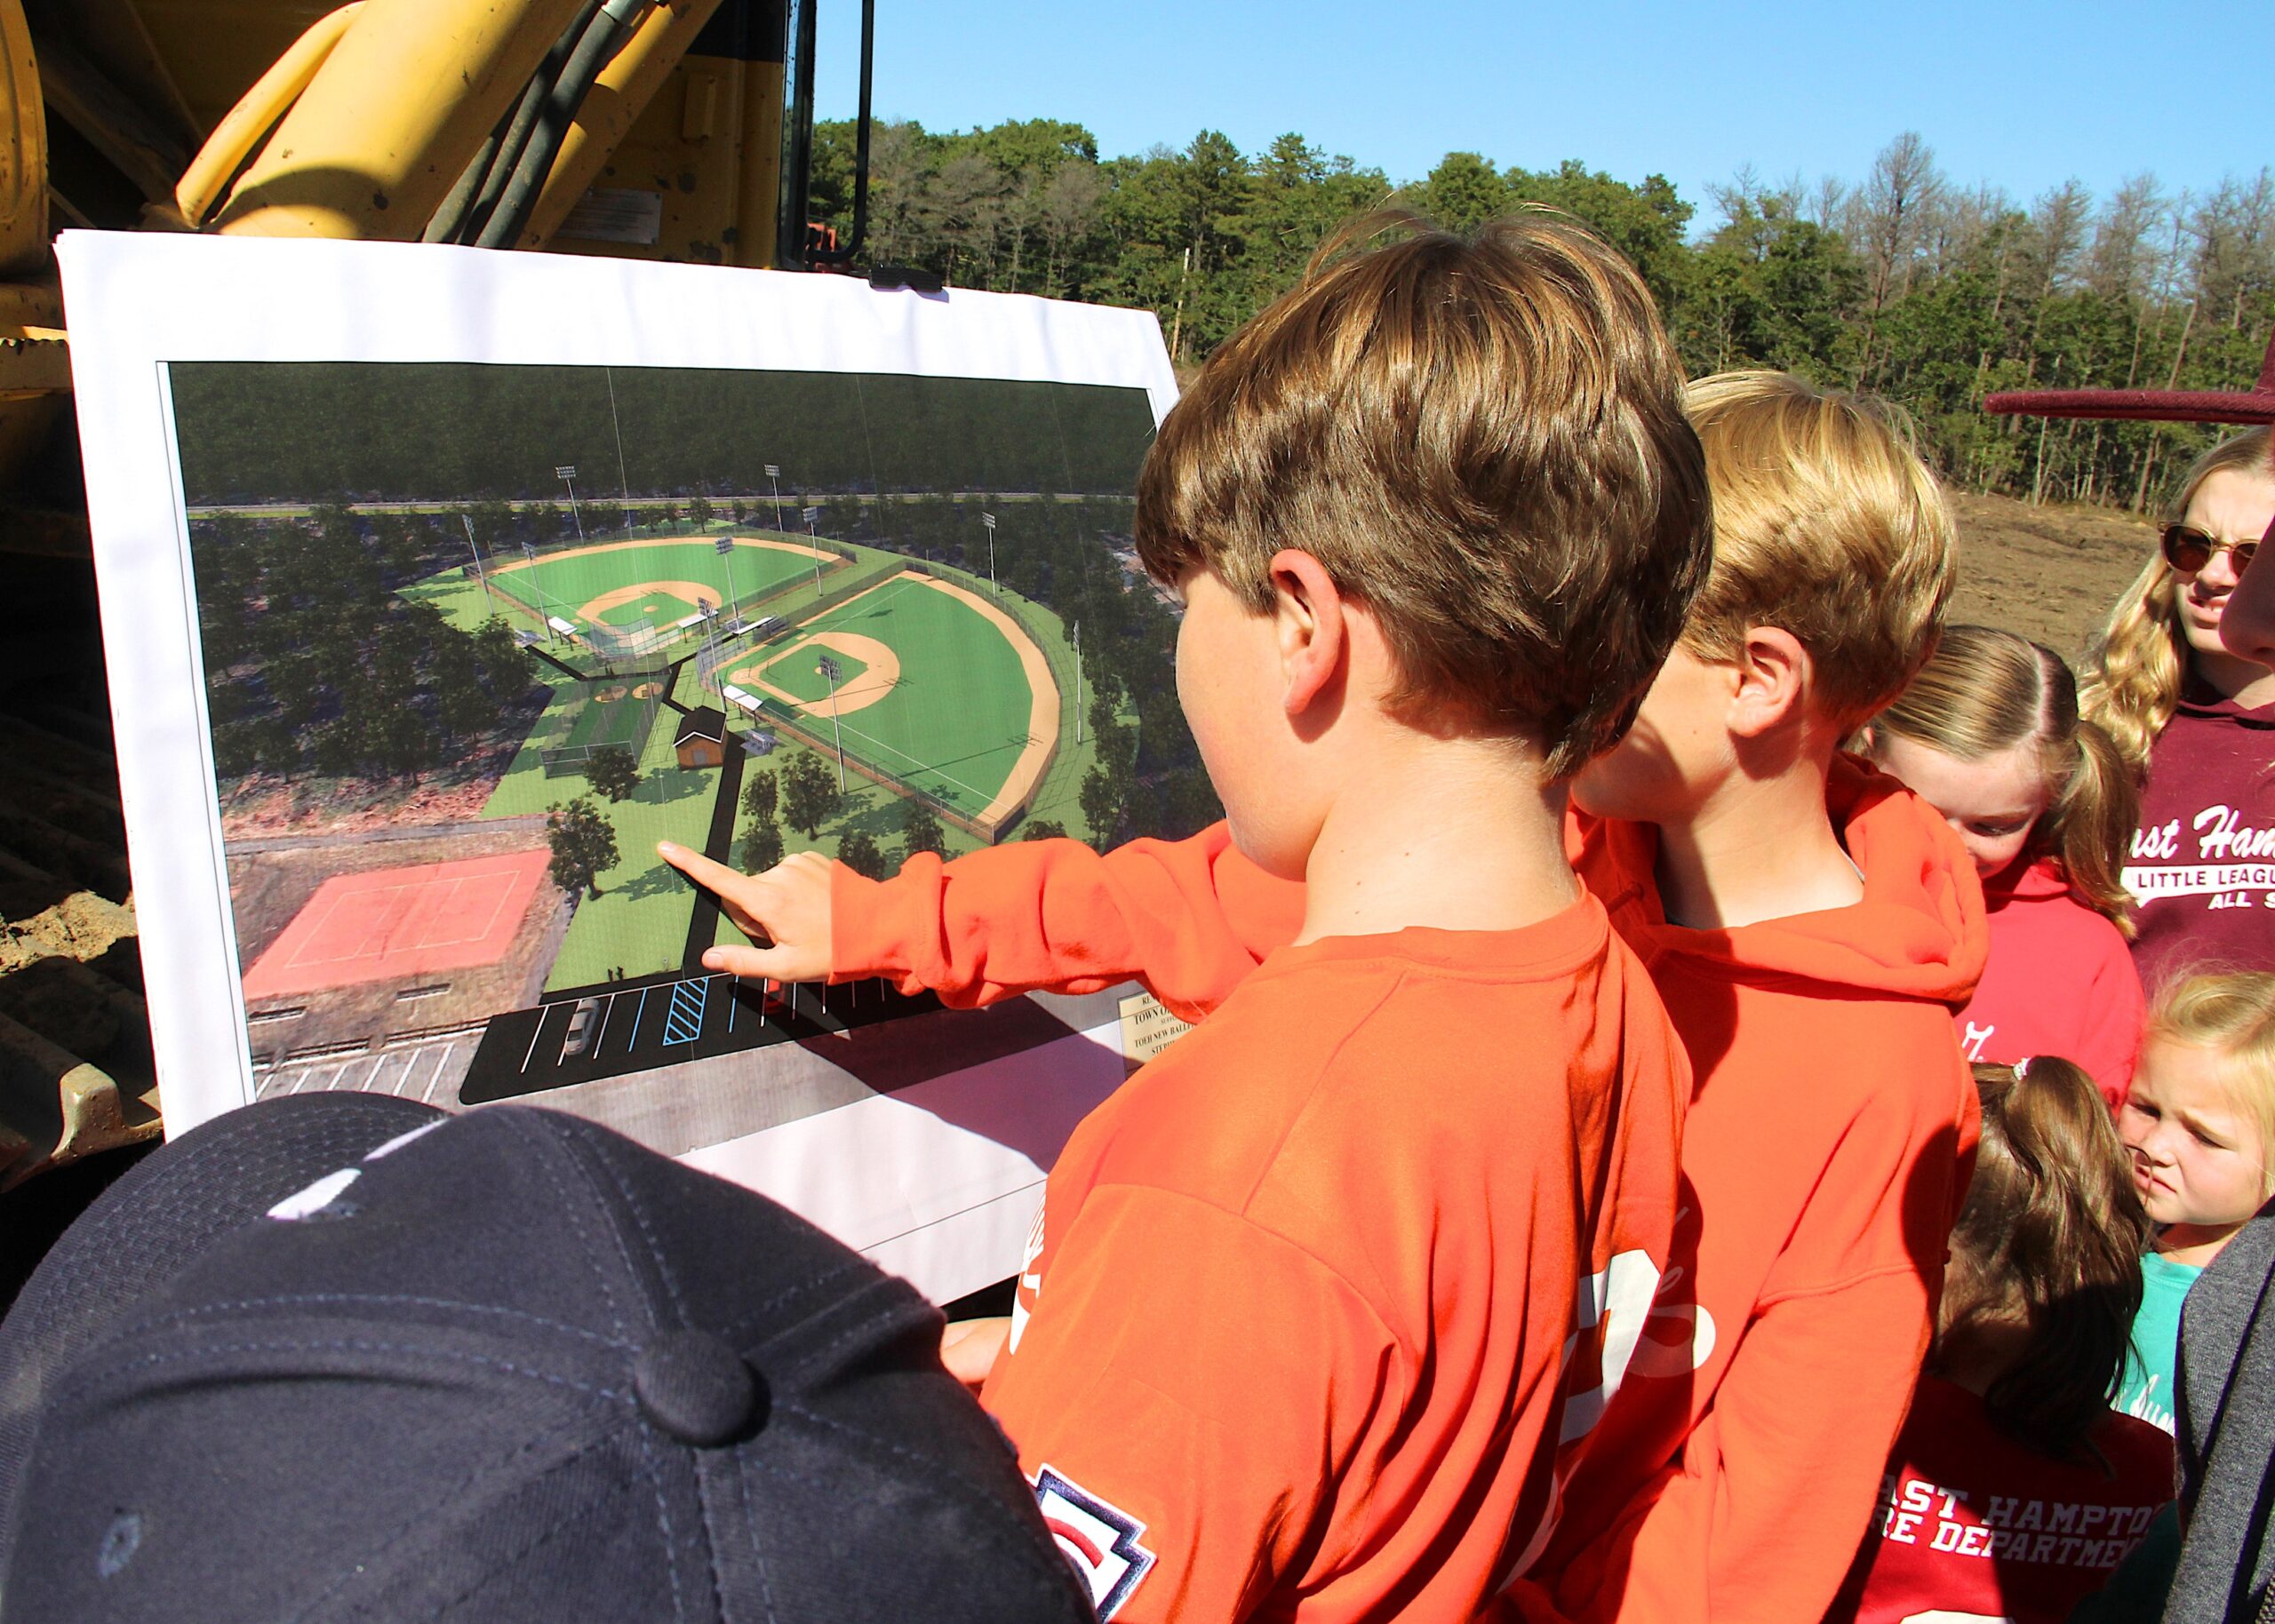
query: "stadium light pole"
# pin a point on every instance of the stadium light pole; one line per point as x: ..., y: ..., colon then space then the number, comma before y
x: 830, y: 669
x: 774, y: 482
x: 489, y: 591
x: 543, y: 607
x: 988, y: 520
x: 813, y: 514
x: 567, y: 474
x: 711, y: 647
x: 1078, y: 682
x: 725, y: 546
x: 623, y: 475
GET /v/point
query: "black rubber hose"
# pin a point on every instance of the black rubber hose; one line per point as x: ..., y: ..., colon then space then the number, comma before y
x: 601, y: 38
x: 534, y: 97
x: 475, y: 194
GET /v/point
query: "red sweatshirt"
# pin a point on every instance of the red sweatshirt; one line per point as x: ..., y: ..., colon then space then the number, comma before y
x: 1972, y: 1524
x: 2203, y: 862
x: 2060, y: 981
x: 1829, y: 1120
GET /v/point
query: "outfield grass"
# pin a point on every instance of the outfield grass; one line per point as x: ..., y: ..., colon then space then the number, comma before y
x: 638, y: 923
x: 957, y: 720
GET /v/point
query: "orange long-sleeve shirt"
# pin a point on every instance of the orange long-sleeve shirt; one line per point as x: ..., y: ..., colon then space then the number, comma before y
x: 1305, y: 1300
x: 1824, y: 1159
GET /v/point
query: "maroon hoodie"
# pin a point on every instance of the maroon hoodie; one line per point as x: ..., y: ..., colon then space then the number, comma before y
x: 2203, y: 862
x: 2060, y: 981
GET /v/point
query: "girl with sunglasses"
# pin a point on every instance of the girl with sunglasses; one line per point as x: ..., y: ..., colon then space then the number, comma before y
x: 2200, y: 720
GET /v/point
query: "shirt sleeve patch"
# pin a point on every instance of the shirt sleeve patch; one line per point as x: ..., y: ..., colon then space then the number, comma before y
x: 1097, y: 1537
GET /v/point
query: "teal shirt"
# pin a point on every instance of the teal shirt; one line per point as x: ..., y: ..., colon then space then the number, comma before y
x: 2145, y: 1389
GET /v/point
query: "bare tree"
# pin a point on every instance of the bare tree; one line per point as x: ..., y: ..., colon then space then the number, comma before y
x: 1884, y: 220
x: 1889, y: 212
x: 1954, y: 228
x: 2121, y: 259
x: 1826, y: 206
x: 2234, y: 230
x: 2057, y: 229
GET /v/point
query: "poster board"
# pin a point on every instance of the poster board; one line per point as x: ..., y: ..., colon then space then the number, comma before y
x: 439, y: 583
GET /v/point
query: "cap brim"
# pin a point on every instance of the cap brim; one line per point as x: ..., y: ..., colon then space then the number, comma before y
x: 160, y: 1217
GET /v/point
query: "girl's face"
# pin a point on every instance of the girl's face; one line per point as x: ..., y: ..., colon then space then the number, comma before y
x: 2233, y: 505
x: 2196, y: 1158
x: 1992, y: 802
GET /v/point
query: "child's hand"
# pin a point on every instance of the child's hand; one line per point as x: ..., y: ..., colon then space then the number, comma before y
x: 785, y: 910
x: 969, y: 1347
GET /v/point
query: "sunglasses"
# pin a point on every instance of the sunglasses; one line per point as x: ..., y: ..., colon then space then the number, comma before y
x: 2191, y: 551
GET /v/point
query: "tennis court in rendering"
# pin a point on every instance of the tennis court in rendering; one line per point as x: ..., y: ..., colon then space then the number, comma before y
x: 400, y: 922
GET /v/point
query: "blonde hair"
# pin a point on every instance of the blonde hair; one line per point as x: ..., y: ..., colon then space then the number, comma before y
x: 1828, y: 525
x: 2231, y: 1016
x: 2050, y: 1237
x: 2137, y: 666
x: 1984, y: 692
x: 1481, y: 439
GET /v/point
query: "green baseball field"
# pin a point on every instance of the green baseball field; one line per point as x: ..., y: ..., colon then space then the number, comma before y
x: 940, y: 686
x: 936, y: 687
x: 658, y: 584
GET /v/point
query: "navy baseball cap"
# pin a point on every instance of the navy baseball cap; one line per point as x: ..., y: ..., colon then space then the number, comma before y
x: 501, y: 1366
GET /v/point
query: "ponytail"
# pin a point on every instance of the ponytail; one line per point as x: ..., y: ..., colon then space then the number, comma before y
x: 2050, y: 1239
x: 2095, y: 806
x: 1987, y: 690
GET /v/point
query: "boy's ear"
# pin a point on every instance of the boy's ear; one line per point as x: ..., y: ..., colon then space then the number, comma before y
x: 1771, y: 682
x: 1310, y: 624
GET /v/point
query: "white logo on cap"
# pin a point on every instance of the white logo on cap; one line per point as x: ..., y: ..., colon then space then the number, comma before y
x: 316, y: 1196
x: 1099, y: 1537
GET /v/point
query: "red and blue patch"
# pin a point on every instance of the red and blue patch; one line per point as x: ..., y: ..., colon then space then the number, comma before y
x: 1099, y: 1538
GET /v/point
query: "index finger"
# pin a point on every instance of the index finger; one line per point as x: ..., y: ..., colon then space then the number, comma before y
x: 710, y: 875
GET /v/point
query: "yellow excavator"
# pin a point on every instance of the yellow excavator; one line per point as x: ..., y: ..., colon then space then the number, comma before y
x: 647, y: 129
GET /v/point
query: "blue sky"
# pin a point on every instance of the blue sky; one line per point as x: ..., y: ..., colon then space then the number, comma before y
x: 2025, y: 95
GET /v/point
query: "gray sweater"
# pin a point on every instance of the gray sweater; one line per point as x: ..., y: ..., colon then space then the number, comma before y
x: 2227, y: 1433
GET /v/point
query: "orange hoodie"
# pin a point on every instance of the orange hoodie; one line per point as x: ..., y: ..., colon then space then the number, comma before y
x: 1825, y: 1154
x: 1733, y: 1473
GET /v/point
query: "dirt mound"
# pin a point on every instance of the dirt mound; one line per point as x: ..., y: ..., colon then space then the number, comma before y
x: 2050, y: 573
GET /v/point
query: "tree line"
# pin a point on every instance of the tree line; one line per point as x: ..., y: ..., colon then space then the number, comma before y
x: 269, y: 432
x: 314, y: 666
x: 1901, y: 281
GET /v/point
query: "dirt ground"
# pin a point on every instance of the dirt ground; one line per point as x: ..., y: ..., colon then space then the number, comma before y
x: 2050, y: 573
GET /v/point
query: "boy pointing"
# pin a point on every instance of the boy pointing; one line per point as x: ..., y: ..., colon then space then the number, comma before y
x: 1317, y: 1301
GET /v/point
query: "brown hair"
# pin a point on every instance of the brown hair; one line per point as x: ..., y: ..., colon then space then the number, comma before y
x: 2231, y: 1015
x: 2134, y: 671
x: 2050, y: 1239
x: 1481, y: 439
x: 1987, y: 690
x: 1826, y: 525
